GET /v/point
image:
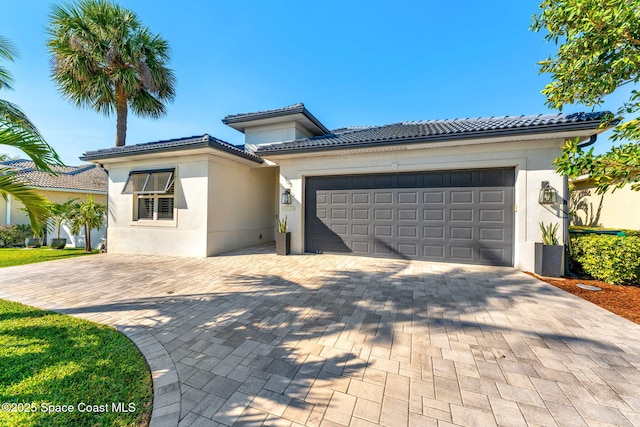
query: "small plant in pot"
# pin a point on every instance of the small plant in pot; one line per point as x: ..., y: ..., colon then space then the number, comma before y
x: 38, y: 226
x: 283, y: 238
x: 58, y: 213
x: 549, y: 255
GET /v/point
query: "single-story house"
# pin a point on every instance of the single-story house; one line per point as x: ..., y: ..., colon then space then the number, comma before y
x: 69, y: 182
x: 616, y: 208
x: 463, y: 190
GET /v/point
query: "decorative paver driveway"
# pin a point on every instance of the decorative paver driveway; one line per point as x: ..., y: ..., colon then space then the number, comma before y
x: 252, y: 338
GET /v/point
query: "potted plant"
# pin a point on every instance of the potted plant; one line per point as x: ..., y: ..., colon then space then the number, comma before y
x: 58, y: 213
x: 39, y: 226
x: 283, y: 238
x: 549, y: 254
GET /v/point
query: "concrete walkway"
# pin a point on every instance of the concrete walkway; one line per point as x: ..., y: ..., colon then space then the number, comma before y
x: 254, y: 339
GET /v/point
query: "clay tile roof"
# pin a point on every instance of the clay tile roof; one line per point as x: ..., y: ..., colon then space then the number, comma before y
x: 84, y: 177
x: 437, y: 130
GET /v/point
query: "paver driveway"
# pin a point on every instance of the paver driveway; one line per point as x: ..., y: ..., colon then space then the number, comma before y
x: 252, y: 338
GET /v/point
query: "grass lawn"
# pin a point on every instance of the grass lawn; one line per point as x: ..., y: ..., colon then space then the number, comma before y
x: 19, y: 256
x: 57, y: 370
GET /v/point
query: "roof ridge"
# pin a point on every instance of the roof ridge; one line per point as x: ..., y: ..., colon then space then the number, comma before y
x: 296, y: 106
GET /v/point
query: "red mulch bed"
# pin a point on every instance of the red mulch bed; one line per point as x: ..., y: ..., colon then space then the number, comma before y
x: 621, y: 300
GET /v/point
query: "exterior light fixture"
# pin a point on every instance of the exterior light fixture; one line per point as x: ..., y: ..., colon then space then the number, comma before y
x: 548, y: 195
x: 286, y: 197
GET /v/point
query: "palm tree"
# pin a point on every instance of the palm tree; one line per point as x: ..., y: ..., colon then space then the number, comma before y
x: 86, y: 216
x: 16, y: 130
x: 105, y: 59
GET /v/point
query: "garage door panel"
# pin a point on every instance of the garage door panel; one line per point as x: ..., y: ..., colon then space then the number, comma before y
x: 492, y: 215
x: 461, y: 253
x: 408, y: 231
x: 338, y: 213
x: 433, y: 197
x: 360, y: 198
x: 461, y: 197
x: 461, y: 233
x: 408, y: 198
x: 492, y: 196
x: 433, y: 232
x: 455, y: 216
x: 383, y: 198
x: 433, y: 252
x: 383, y: 214
x: 360, y: 214
x: 461, y: 215
x: 407, y: 214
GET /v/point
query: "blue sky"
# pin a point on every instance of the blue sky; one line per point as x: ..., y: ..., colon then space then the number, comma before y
x: 350, y: 62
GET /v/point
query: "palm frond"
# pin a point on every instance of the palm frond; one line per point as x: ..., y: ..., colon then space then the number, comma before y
x: 42, y: 154
x: 34, y: 203
x: 12, y: 115
x: 8, y: 52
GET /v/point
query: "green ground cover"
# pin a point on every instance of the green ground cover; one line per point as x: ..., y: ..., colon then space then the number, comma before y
x: 57, y: 370
x: 20, y: 256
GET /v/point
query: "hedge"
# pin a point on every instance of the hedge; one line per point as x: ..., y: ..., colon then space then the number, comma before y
x: 612, y: 259
x: 14, y: 235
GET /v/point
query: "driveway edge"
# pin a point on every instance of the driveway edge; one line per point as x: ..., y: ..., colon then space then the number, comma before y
x: 166, y: 385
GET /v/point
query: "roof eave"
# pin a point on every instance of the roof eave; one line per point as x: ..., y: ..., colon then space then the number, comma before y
x: 190, y: 146
x: 237, y: 122
x: 264, y: 151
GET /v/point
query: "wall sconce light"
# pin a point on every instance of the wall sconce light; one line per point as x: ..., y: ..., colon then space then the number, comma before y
x: 548, y: 194
x: 286, y: 197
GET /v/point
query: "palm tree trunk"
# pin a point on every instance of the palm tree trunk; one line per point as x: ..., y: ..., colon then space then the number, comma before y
x: 87, y: 238
x: 121, y: 113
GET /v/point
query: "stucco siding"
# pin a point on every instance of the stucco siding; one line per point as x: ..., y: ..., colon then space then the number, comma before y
x: 185, y: 235
x: 220, y: 205
x: 241, y: 206
x: 531, y: 159
x: 613, y: 209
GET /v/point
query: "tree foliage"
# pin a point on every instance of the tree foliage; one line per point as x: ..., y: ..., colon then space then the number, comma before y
x: 599, y: 52
x: 106, y: 60
x: 16, y: 130
x: 87, y: 215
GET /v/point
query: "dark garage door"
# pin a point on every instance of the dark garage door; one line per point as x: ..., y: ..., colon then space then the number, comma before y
x: 462, y: 216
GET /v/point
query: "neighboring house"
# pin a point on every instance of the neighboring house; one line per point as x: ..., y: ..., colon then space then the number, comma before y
x: 444, y: 190
x: 614, y: 209
x: 69, y: 182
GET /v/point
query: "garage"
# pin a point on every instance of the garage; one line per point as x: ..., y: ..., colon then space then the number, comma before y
x: 462, y: 216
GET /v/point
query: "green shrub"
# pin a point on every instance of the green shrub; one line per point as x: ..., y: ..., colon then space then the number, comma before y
x: 13, y: 235
x: 612, y: 259
x: 8, y: 234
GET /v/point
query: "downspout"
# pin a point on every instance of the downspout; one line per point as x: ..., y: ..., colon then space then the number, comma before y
x: 591, y: 141
x: 565, y: 184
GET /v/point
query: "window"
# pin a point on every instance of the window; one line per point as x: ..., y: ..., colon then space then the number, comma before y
x: 153, y: 194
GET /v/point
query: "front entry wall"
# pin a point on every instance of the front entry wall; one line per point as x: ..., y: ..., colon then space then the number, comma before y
x: 464, y: 216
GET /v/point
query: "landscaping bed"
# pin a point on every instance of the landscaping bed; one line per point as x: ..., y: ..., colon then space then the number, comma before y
x: 57, y: 370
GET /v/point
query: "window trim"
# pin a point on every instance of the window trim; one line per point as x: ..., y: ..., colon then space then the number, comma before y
x: 154, y: 221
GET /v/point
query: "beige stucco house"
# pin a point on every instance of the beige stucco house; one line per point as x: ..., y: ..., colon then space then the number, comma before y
x: 464, y: 190
x: 69, y: 182
x: 616, y: 208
